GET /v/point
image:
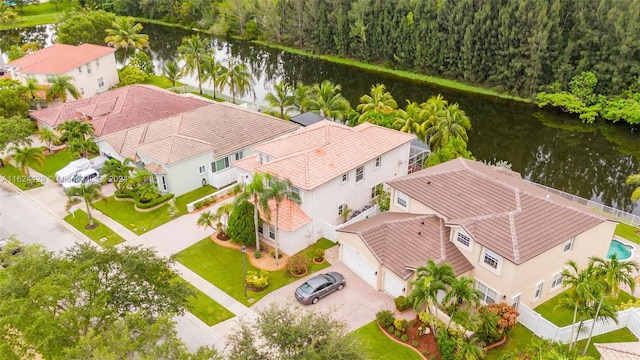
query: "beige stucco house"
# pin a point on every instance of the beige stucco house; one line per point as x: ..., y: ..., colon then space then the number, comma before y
x: 92, y: 67
x: 511, y: 236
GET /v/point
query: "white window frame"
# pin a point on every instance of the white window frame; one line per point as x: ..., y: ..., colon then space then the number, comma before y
x: 567, y: 246
x: 80, y: 70
x: 360, y: 174
x: 486, y: 292
x: 556, y: 280
x: 374, y: 190
x: 272, y: 233
x: 341, y: 208
x: 345, y: 178
x: 239, y: 155
x: 214, y: 165
x: 82, y: 91
x: 488, y: 257
x: 88, y: 68
x: 402, y: 199
x: 202, y: 169
x: 537, y: 291
x: 97, y: 63
x: 163, y: 182
x: 100, y: 82
x: 378, y: 162
x: 463, y: 239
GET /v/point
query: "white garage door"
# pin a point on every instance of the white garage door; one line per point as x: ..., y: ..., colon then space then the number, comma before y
x: 393, y: 285
x: 359, y: 265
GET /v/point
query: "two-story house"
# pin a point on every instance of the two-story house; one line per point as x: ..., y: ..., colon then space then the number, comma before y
x: 513, y: 237
x: 331, y: 166
x: 92, y: 67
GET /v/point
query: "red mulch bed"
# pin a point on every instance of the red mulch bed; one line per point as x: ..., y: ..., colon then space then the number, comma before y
x: 425, y: 342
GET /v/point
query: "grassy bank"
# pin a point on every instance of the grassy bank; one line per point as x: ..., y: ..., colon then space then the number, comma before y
x: 38, y: 14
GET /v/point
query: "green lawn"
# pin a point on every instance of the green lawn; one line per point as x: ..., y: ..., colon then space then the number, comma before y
x: 207, y: 309
x: 160, y: 81
x: 56, y: 162
x: 79, y: 220
x: 622, y: 335
x: 628, y: 232
x: 379, y: 347
x: 519, y: 338
x: 39, y: 14
x: 222, y: 267
x: 563, y: 317
x: 17, y: 178
x: 124, y: 213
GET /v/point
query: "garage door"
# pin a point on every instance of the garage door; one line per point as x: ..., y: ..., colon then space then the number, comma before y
x: 393, y: 285
x: 359, y: 265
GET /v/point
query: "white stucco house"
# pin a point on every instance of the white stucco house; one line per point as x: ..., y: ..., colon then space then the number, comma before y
x: 92, y: 67
x: 197, y: 147
x: 513, y: 237
x: 330, y: 166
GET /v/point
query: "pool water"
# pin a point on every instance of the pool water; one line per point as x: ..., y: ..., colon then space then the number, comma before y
x: 622, y: 251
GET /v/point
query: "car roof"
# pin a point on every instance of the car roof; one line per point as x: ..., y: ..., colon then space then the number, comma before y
x: 317, y: 280
x: 86, y: 172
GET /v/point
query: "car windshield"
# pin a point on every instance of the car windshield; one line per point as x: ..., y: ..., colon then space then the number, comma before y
x: 76, y: 179
x: 306, y: 288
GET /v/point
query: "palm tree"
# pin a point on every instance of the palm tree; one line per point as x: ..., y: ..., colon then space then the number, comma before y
x: 461, y: 290
x: 25, y: 157
x: 79, y: 147
x: 137, y: 178
x: 634, y: 180
x: 237, y: 78
x: 470, y: 349
x: 282, y: 97
x: 277, y: 192
x: 611, y: 273
x: 431, y: 279
x: 206, y: 219
x: 253, y: 192
x: 33, y: 91
x: 60, y: 86
x: 47, y: 136
x: 126, y: 35
x: 455, y: 123
x: 211, y: 69
x: 191, y: 52
x: 301, y: 96
x: 377, y: 100
x: 74, y: 129
x: 411, y: 120
x: 88, y: 193
x: 147, y: 191
x: 116, y: 172
x: 172, y: 72
x: 327, y: 100
x: 222, y: 213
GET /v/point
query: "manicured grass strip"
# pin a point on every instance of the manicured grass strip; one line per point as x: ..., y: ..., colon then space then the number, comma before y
x: 563, y: 317
x: 191, y: 196
x: 628, y: 232
x: 160, y: 81
x: 17, y: 178
x: 205, y: 308
x: 222, y: 267
x: 79, y: 220
x: 379, y: 347
x: 56, y: 162
x: 622, y: 335
x: 38, y: 14
x: 519, y: 338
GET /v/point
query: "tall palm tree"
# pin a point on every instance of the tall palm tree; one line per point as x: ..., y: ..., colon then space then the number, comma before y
x: 411, y: 120
x: 172, y: 71
x: 191, y: 52
x: 461, y: 290
x: 253, y: 192
x: 61, y: 85
x: 126, y: 35
x: 455, y: 123
x: 211, y: 69
x: 278, y: 191
x: 328, y: 101
x: 74, y: 129
x: 79, y: 147
x: 282, y: 97
x: 634, y: 180
x: 33, y: 91
x: 611, y: 272
x: 301, y: 96
x: 89, y: 193
x: 25, y: 157
x: 47, y: 136
x: 378, y: 100
x: 206, y: 219
x: 222, y: 213
x: 116, y: 172
x: 430, y: 280
x: 237, y: 78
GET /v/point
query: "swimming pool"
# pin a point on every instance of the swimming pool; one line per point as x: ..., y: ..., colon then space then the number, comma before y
x: 622, y: 251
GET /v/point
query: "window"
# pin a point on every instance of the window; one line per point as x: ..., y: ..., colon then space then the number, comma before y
x: 489, y: 295
x: 80, y: 70
x: 272, y: 233
x: 201, y: 169
x: 341, y: 209
x: 89, y: 68
x: 163, y: 183
x: 538, y: 290
x: 463, y: 239
x: 295, y: 190
x: 568, y: 245
x: 82, y: 91
x: 360, y: 174
x: 100, y: 82
x: 402, y: 199
x: 375, y: 191
x: 239, y: 155
x: 260, y: 228
x: 378, y: 162
x: 220, y: 165
x: 556, y: 280
x: 515, y: 301
x: 97, y: 63
x: 490, y: 258
x: 345, y: 177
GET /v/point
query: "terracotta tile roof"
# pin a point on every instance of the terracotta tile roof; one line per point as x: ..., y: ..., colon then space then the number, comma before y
x: 402, y: 242
x: 220, y: 128
x: 290, y: 218
x: 619, y: 351
x: 121, y: 108
x: 59, y: 58
x: 155, y: 168
x: 316, y: 154
x: 500, y: 210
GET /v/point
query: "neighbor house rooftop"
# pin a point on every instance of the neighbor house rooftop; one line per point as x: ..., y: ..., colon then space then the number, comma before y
x: 59, y: 58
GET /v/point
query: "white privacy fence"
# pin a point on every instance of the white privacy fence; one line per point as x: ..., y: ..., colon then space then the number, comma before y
x: 330, y: 231
x: 543, y: 328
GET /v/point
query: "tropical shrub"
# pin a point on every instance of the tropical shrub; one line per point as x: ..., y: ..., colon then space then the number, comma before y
x: 397, y: 333
x: 241, y: 227
x: 401, y: 324
x: 257, y: 254
x: 385, y: 318
x: 404, y: 338
x: 257, y: 281
x: 319, y: 255
x: 402, y: 303
x: 415, y: 343
x: 446, y: 345
x: 391, y: 329
x: 508, y: 316
x: 298, y: 264
x: 154, y: 202
x: 273, y: 254
x: 487, y: 330
x: 629, y: 304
